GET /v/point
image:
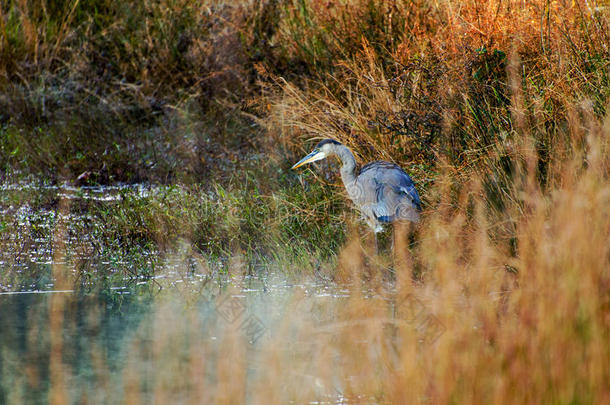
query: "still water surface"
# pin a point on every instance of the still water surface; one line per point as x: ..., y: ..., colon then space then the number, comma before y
x: 182, y: 334
x: 105, y: 347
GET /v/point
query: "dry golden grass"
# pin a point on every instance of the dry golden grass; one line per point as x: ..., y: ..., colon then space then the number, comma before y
x: 426, y: 81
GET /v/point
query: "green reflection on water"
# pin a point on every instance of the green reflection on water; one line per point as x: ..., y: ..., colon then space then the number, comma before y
x: 95, y: 332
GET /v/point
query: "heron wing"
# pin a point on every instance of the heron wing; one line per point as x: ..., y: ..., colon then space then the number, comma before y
x: 392, y: 194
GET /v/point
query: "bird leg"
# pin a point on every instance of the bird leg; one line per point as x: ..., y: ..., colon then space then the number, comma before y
x: 401, y: 255
x: 376, y: 244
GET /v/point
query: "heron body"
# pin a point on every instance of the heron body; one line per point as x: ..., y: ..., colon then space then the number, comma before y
x: 381, y: 190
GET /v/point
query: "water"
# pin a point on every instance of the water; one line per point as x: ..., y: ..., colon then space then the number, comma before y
x: 84, y: 321
x: 107, y: 348
x: 94, y: 332
x: 29, y: 215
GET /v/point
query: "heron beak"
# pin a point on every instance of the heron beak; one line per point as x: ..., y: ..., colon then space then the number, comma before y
x: 312, y: 157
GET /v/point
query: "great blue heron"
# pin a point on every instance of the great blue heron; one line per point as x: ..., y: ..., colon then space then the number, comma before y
x: 382, y: 191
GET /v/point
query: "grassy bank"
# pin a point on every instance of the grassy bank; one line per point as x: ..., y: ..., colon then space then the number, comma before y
x: 164, y: 84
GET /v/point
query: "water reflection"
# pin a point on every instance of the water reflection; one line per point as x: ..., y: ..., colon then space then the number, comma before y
x: 194, y: 340
x: 80, y: 339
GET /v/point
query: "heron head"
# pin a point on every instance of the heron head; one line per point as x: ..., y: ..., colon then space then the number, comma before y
x: 322, y: 150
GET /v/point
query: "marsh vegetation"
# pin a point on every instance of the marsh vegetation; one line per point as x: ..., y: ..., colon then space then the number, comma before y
x: 146, y: 198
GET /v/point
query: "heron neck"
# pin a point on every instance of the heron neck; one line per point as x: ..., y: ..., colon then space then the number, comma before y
x: 349, y: 164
